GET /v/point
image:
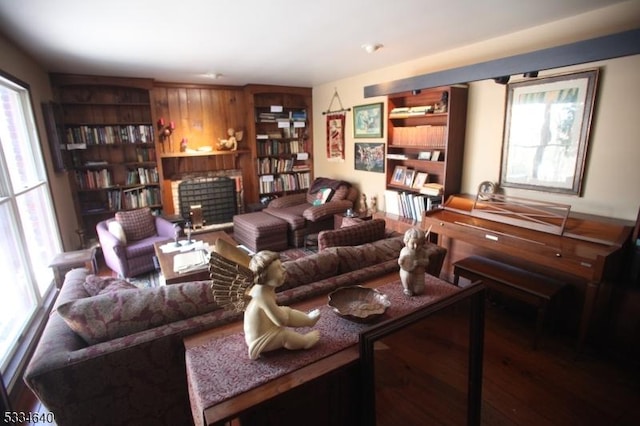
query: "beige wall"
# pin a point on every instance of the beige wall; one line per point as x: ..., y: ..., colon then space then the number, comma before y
x: 21, y: 66
x: 610, y: 186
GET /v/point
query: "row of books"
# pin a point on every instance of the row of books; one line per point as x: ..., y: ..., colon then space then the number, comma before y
x: 286, y: 182
x: 94, y: 179
x: 279, y: 165
x: 133, y: 198
x: 403, y: 112
x: 145, y: 154
x: 283, y: 132
x: 427, y: 136
x: 143, y: 176
x: 274, y: 147
x: 273, y: 116
x: 410, y: 204
x: 108, y: 135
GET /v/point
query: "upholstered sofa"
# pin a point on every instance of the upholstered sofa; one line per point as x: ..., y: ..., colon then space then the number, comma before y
x: 127, y: 240
x: 306, y: 213
x: 117, y: 358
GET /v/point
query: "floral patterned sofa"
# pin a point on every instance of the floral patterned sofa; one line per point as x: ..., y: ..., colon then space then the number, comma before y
x: 112, y: 354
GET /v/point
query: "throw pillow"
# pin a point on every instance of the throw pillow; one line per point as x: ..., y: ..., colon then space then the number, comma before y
x: 137, y: 224
x: 111, y: 315
x: 322, y: 196
x: 117, y: 230
x: 99, y: 285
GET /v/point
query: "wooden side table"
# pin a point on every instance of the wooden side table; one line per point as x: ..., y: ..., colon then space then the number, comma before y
x: 338, y: 217
x: 64, y: 262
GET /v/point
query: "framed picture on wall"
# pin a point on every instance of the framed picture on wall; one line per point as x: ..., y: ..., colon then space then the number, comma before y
x: 546, y: 132
x: 369, y: 156
x: 367, y: 121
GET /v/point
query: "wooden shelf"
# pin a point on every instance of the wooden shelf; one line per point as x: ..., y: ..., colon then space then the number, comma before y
x: 202, y: 153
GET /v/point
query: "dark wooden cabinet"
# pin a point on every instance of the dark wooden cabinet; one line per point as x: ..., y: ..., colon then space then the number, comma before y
x: 108, y: 145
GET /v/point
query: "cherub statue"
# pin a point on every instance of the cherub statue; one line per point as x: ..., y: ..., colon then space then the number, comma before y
x: 230, y: 144
x: 413, y: 261
x: 252, y: 288
x: 362, y: 209
x: 373, y: 204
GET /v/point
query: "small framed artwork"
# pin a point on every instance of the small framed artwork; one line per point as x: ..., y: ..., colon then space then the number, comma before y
x: 409, y: 175
x: 420, y: 180
x: 398, y: 175
x: 435, y: 156
x: 424, y: 155
x: 369, y: 156
x: 367, y: 121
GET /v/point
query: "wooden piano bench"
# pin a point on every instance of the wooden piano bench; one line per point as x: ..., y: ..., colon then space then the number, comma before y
x: 529, y: 287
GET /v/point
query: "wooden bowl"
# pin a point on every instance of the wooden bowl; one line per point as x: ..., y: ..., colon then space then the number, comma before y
x: 359, y: 304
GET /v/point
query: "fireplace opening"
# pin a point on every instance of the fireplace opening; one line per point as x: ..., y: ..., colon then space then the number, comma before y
x: 213, y: 200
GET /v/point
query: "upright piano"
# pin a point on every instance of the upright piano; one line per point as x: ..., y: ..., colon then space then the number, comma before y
x: 535, y: 235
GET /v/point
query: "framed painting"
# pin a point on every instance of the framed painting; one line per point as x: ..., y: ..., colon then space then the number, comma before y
x: 367, y: 121
x: 369, y: 157
x: 398, y: 175
x: 546, y: 132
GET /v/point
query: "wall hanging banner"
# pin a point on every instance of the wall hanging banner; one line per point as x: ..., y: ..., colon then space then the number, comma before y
x: 335, y: 136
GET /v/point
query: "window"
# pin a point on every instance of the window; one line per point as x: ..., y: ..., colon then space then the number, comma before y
x: 30, y: 237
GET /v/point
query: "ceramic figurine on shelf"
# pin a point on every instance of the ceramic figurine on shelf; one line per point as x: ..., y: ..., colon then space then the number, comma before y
x: 413, y: 261
x: 249, y: 284
x: 230, y: 144
x: 362, y: 208
x: 373, y: 205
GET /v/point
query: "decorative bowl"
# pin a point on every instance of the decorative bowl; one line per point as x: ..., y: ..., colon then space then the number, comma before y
x: 359, y: 304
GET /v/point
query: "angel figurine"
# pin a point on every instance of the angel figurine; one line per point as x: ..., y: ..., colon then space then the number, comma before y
x: 413, y: 261
x: 230, y: 144
x: 251, y: 286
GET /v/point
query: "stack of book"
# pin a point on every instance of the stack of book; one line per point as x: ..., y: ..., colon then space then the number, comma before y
x: 409, y: 204
x: 433, y: 189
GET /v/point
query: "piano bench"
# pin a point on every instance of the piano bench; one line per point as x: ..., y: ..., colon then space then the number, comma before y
x: 529, y: 287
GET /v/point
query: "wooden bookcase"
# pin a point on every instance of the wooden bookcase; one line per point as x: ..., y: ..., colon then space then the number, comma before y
x: 423, y: 124
x: 280, y: 132
x: 109, y: 145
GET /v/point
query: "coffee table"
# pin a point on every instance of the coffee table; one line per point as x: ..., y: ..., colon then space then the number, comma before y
x: 166, y: 259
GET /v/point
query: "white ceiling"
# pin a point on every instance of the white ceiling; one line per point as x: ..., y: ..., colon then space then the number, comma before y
x: 288, y: 42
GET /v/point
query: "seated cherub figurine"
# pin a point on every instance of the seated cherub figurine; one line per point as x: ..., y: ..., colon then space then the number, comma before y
x: 413, y: 261
x: 230, y: 144
x: 265, y: 323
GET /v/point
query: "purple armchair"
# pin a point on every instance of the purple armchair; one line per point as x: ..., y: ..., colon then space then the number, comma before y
x: 127, y: 241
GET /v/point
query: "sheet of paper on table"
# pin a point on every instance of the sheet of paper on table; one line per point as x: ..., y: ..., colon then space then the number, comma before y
x: 190, y: 261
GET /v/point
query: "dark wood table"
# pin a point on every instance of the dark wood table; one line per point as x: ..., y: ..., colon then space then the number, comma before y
x: 326, y: 390
x: 166, y: 259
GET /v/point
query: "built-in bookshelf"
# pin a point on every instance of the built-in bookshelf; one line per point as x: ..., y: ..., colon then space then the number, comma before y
x: 425, y: 149
x: 283, y: 146
x: 107, y: 137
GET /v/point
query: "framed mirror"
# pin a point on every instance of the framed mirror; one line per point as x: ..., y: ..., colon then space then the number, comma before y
x: 546, y: 132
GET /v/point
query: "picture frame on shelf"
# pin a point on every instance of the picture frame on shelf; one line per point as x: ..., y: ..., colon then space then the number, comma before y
x: 547, y: 126
x: 367, y: 120
x: 409, y: 176
x: 369, y: 156
x: 435, y: 155
x: 424, y: 155
x: 398, y: 175
x: 420, y: 180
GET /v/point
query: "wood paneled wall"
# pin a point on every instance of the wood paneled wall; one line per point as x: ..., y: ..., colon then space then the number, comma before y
x: 201, y: 114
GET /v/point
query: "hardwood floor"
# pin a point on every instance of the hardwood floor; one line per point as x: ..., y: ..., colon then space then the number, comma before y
x: 548, y: 386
